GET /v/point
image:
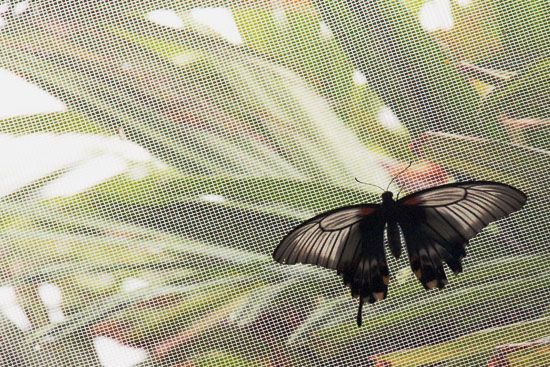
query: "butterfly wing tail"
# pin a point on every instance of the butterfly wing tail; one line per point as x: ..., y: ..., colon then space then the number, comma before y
x: 426, y: 258
x: 369, y: 282
x: 360, y: 312
x: 368, y: 275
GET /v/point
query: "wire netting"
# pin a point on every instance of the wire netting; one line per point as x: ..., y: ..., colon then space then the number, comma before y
x: 153, y: 154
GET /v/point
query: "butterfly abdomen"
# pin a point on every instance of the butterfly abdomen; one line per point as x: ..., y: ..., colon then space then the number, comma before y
x: 394, y: 238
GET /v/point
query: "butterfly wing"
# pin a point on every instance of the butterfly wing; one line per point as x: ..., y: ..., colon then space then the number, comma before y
x: 349, y: 240
x: 437, y: 223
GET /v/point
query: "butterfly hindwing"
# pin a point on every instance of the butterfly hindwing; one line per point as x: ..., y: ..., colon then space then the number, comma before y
x: 438, y: 222
x: 349, y: 240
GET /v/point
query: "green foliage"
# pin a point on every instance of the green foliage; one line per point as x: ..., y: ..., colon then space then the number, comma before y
x: 269, y: 128
x: 483, y: 342
x: 405, y: 66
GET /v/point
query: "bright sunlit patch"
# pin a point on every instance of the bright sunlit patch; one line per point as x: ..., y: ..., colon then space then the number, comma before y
x: 213, y: 198
x: 220, y: 20
x: 388, y: 119
x: 84, y: 160
x: 19, y: 97
x: 359, y: 78
x: 166, y: 17
x: 38, y: 155
x: 20, y: 8
x: 84, y: 176
x: 464, y: 3
x: 112, y: 353
x: 325, y: 31
x: 436, y: 15
x: 11, y: 310
x: 50, y: 294
x: 133, y: 284
x: 4, y: 7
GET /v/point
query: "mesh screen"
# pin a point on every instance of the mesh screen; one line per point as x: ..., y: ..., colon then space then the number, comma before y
x: 154, y: 153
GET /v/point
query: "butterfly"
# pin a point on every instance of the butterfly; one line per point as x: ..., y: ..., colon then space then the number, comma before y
x: 436, y: 223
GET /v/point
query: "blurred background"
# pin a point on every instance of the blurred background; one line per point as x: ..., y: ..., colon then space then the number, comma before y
x: 154, y: 153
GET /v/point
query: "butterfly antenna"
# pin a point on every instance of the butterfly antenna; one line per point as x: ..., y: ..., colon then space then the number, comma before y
x: 397, y: 175
x: 399, y: 192
x: 366, y: 183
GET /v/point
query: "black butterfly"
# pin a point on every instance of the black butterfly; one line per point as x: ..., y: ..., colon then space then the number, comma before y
x: 436, y: 224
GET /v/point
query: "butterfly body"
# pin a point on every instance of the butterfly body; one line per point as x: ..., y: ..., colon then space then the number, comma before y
x: 390, y: 212
x: 436, y: 224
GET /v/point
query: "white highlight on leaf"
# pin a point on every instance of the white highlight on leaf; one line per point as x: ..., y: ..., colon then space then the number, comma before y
x: 133, y: 284
x: 112, y: 353
x: 280, y: 17
x: 126, y: 65
x: 166, y: 17
x: 20, y: 8
x: 105, y: 279
x: 464, y: 3
x: 85, y: 160
x: 220, y: 20
x: 11, y: 310
x: 50, y: 294
x: 436, y: 15
x: 388, y: 119
x: 137, y: 173
x: 90, y: 173
x: 186, y: 58
x: 359, y: 78
x: 19, y: 97
x: 325, y: 31
x: 213, y: 198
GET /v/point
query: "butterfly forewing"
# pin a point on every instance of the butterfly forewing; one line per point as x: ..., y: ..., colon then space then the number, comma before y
x: 329, y: 240
x: 346, y: 217
x: 438, y: 222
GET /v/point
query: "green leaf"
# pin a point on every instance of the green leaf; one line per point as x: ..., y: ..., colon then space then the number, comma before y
x: 259, y: 301
x: 59, y: 122
x: 433, y: 311
x: 523, y: 96
x: 405, y: 67
x: 523, y: 26
x: 292, y: 36
x: 484, y: 159
x: 479, y: 345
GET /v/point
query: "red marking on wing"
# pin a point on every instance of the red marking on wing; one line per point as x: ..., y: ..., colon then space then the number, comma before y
x: 367, y: 211
x: 413, y: 201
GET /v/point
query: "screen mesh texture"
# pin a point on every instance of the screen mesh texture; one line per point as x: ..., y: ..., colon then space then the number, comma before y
x: 153, y: 154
